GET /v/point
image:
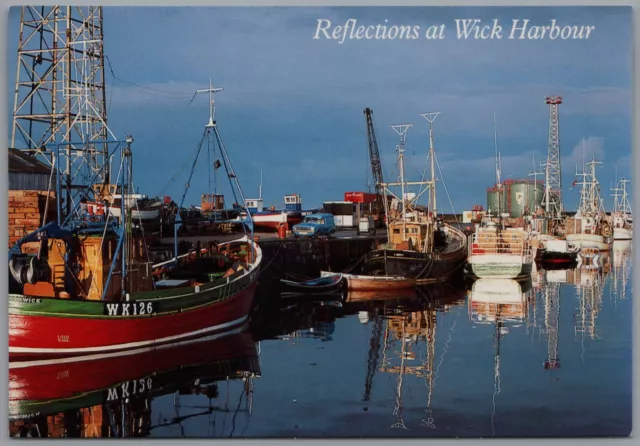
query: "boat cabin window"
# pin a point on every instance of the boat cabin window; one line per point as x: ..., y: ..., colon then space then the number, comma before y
x: 291, y: 199
x: 396, y: 230
x: 312, y: 219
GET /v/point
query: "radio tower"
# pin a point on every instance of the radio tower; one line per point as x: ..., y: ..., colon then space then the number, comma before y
x: 553, y: 181
x: 60, y: 103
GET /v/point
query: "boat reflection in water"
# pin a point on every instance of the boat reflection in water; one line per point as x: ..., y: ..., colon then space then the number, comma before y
x: 308, y: 318
x: 621, y: 271
x: 111, y: 395
x: 403, y: 337
x: 503, y: 303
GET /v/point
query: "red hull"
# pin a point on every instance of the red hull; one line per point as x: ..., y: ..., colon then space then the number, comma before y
x: 272, y: 225
x: 50, y: 380
x: 556, y: 260
x: 292, y: 220
x: 32, y: 337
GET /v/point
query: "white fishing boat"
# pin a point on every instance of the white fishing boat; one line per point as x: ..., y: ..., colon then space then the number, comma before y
x: 622, y: 217
x: 142, y: 207
x: 589, y: 228
x: 110, y: 197
x: 496, y: 251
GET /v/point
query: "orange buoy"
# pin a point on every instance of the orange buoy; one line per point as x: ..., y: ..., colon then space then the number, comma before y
x: 282, y: 231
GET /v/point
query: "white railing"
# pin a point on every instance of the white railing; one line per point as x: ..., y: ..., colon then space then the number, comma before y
x: 503, y: 243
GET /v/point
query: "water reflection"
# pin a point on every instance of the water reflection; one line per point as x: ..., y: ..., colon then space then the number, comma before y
x: 503, y: 303
x: 111, y: 396
x: 621, y: 271
x: 403, y: 336
x: 386, y: 363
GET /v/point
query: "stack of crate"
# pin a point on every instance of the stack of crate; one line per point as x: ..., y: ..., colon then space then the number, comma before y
x: 26, y: 211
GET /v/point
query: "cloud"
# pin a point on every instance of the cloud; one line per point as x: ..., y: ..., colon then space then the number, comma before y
x: 584, y: 151
x: 512, y: 166
x: 293, y: 105
x: 624, y: 166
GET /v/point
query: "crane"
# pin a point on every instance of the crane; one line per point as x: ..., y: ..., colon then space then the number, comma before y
x: 376, y: 166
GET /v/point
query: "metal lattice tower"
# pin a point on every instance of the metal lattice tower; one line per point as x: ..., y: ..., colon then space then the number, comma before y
x: 553, y: 180
x: 551, y: 322
x: 60, y: 91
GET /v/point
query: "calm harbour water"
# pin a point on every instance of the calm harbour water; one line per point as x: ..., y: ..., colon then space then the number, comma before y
x: 549, y: 357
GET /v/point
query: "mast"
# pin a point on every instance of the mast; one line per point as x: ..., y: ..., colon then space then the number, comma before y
x: 498, y: 171
x: 624, y: 201
x: 616, y: 197
x: 431, y: 116
x: 535, y: 174
x: 401, y: 130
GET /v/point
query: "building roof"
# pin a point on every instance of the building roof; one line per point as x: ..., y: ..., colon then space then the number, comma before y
x: 21, y: 161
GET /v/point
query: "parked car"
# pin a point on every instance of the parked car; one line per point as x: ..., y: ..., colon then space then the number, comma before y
x: 314, y: 225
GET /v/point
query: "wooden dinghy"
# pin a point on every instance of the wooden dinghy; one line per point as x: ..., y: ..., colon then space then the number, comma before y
x: 321, y: 285
x: 373, y: 283
x: 380, y: 295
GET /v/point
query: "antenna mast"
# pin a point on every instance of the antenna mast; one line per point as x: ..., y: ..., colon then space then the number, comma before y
x: 431, y: 116
x: 212, y: 102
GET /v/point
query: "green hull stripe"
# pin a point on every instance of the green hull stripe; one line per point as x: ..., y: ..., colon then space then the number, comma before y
x: 175, y: 300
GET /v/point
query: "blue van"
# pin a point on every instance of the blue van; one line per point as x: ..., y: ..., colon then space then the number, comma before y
x: 314, y: 225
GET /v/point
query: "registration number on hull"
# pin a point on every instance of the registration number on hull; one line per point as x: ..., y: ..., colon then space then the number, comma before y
x: 129, y: 389
x: 129, y: 308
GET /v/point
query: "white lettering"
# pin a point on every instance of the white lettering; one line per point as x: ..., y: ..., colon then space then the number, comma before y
x: 467, y: 26
x: 324, y: 30
x: 125, y: 309
x: 112, y: 309
x: 125, y: 390
x: 113, y: 394
x: 435, y: 32
x: 149, y: 308
x: 514, y: 28
x: 63, y: 338
x: 471, y: 28
x: 520, y: 29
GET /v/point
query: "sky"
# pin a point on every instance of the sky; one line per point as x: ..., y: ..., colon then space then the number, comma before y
x: 292, y: 106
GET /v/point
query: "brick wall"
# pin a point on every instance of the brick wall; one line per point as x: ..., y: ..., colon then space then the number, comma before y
x: 26, y: 209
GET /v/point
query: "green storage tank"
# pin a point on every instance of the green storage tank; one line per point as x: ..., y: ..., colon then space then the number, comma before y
x: 496, y: 201
x: 523, y: 197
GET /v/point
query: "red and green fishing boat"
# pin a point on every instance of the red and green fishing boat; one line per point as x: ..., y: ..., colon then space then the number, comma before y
x: 90, y: 287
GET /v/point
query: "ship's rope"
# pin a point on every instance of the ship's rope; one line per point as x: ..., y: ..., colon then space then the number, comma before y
x: 444, y: 185
x: 182, y: 168
x: 262, y: 270
x: 144, y: 241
